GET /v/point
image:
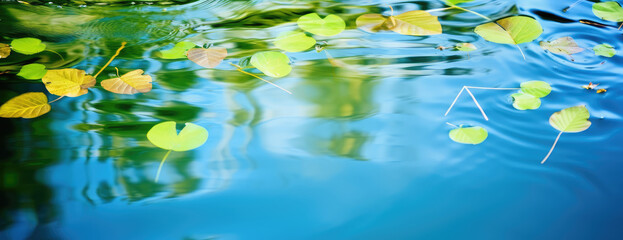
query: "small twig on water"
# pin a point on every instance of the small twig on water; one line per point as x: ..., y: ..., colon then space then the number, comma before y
x: 109, y: 61
x: 477, y: 104
x: 572, y: 5
x: 56, y: 99
x: 56, y: 54
x: 258, y: 77
x: 160, y: 167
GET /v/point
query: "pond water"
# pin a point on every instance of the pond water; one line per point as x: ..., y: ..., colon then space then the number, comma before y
x: 359, y: 151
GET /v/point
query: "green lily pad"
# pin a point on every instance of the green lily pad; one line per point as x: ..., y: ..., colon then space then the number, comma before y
x: 164, y: 135
x: 329, y: 26
x: 537, y: 89
x: 604, y: 50
x: 571, y: 120
x: 455, y: 2
x: 524, y: 101
x: 610, y: 11
x: 294, y: 41
x: 468, y: 135
x: 563, y: 45
x: 32, y: 71
x: 274, y: 64
x: 178, y: 51
x: 511, y: 30
x: 27, y: 46
x: 465, y: 47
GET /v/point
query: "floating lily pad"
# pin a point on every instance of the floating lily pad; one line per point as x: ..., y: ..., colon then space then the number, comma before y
x: 524, y: 101
x: 610, y: 11
x: 164, y: 135
x: 537, y: 89
x: 468, y: 135
x: 329, y: 26
x: 510, y: 30
x: 27, y: 46
x: 571, y: 120
x: 294, y: 41
x: 563, y: 45
x: 274, y: 64
x: 32, y: 71
x: 178, y: 51
x: 604, y: 50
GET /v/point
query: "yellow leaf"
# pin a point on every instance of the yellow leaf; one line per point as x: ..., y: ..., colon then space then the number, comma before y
x: 27, y: 105
x: 68, y: 82
x: 5, y: 50
x: 207, y: 58
x: 416, y: 23
x: 129, y: 83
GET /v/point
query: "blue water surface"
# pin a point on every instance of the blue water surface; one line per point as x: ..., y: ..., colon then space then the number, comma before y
x: 356, y: 152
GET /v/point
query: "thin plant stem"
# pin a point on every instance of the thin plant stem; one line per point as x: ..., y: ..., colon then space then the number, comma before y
x: 490, y: 88
x: 620, y: 26
x: 551, y: 149
x: 161, y: 163
x: 56, y: 54
x: 392, y: 9
x: 258, y: 77
x: 453, y: 102
x: 452, y: 125
x: 477, y: 104
x: 56, y: 99
x: 439, y: 9
x: 524, y: 56
x: 109, y: 61
x: 470, y: 11
x: 117, y: 69
x: 572, y: 5
x: 333, y: 61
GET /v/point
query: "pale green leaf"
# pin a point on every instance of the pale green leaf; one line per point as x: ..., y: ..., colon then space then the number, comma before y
x: 415, y: 23
x: 524, y: 101
x: 604, y: 50
x: 274, y: 64
x: 455, y: 2
x: 510, y: 30
x: 329, y: 26
x: 27, y: 46
x: 573, y: 119
x: 610, y: 11
x: 465, y: 47
x: 537, y: 89
x: 164, y: 135
x: 178, y: 51
x: 563, y: 45
x: 32, y: 71
x: 468, y: 135
x: 294, y: 41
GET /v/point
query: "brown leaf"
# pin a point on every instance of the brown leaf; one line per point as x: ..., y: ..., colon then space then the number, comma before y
x: 207, y: 58
x: 129, y: 83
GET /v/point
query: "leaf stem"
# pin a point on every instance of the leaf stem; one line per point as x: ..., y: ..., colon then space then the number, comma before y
x: 391, y: 8
x: 333, y: 61
x: 620, y: 26
x: 56, y: 99
x: 439, y: 9
x: 551, y: 149
x: 490, y: 88
x: 477, y: 104
x: 452, y: 125
x: 161, y: 163
x: 56, y: 54
x: 524, y: 56
x: 470, y: 11
x: 256, y: 76
x: 572, y: 5
x: 109, y: 61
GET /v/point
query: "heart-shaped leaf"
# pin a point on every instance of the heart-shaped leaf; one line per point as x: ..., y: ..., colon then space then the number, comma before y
x: 571, y: 120
x: 465, y: 47
x: 524, y: 101
x: 329, y: 26
x: 563, y: 45
x: 510, y: 30
x: 27, y: 46
x: 27, y: 105
x: 164, y: 135
x: 294, y: 41
x: 455, y: 2
x: 68, y: 82
x: 5, y: 50
x: 207, y: 58
x: 32, y: 71
x: 468, y: 135
x: 537, y: 89
x: 415, y: 23
x: 604, y: 50
x: 178, y: 51
x: 610, y: 11
x: 274, y: 64
x: 129, y: 83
